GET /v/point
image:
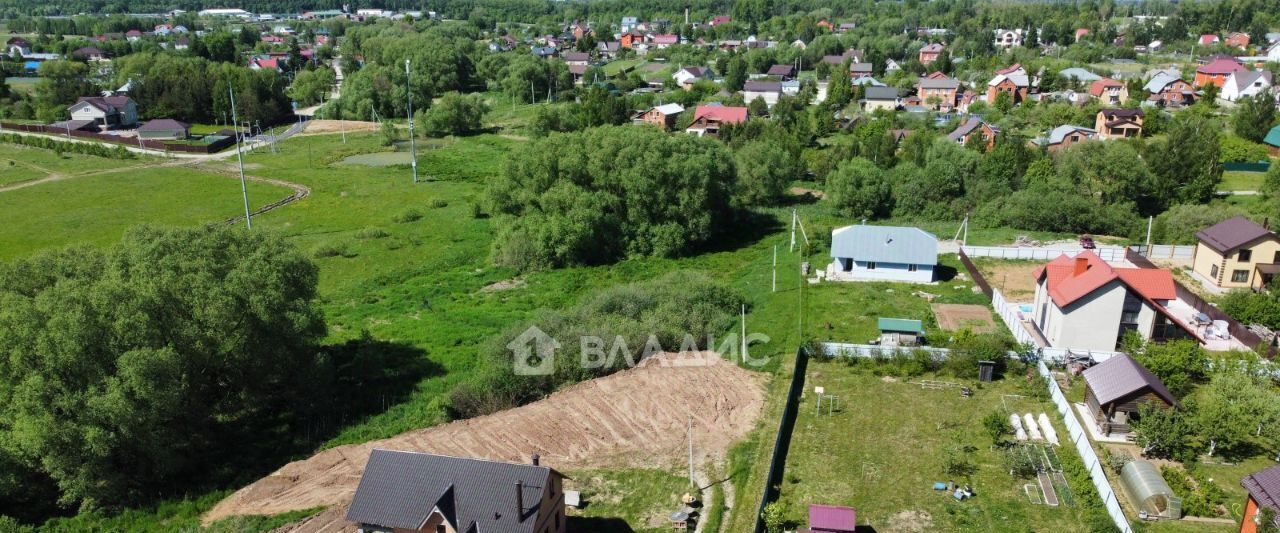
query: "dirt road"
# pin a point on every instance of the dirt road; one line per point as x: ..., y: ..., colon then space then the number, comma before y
x: 635, y: 418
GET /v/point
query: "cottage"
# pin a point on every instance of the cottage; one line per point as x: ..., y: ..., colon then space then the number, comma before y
x: 688, y: 76
x: 878, y: 97
x: 1245, y: 84
x: 1066, y: 136
x: 975, y: 126
x: 410, y: 491
x: 1083, y: 303
x: 1116, y: 390
x: 1109, y: 91
x: 1272, y: 140
x: 1077, y: 75
x: 708, y: 119
x: 164, y: 129
x: 930, y: 52
x: 1209, y: 39
x: 663, y: 116
x: 891, y: 253
x: 785, y: 72
x: 576, y: 58
x: 861, y: 70
x: 17, y: 46
x: 846, y: 27
x: 1236, y: 253
x: 938, y: 92
x: 1008, y: 38
x: 769, y: 91
x: 1166, y: 89
x: 831, y: 519
x: 1119, y: 123
x: 664, y: 41
x: 628, y: 24
x: 1238, y: 39
x: 1217, y: 71
x: 1264, y: 493
x: 90, y: 53
x: 105, y: 111
x: 900, y: 332
x: 720, y: 20
x: 1012, y: 81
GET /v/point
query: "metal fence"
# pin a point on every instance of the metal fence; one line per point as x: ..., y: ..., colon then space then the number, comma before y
x: 1009, y: 314
x: 782, y: 444
x: 873, y: 351
x: 974, y: 273
x: 1167, y: 251
x: 1109, y: 254
x: 1081, y: 442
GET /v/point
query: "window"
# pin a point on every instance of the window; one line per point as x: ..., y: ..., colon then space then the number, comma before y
x: 1213, y: 271
x: 1276, y: 259
x: 1128, y: 316
x: 1245, y: 256
x: 911, y: 268
x: 1239, y: 276
x: 871, y: 265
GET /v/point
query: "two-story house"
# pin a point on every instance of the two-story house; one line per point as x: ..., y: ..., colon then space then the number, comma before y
x: 1167, y: 89
x: 1012, y: 81
x: 1117, y: 123
x: 105, y: 111
x: 930, y: 52
x: 1237, y: 253
x: 975, y: 126
x: 1109, y: 91
x: 937, y: 91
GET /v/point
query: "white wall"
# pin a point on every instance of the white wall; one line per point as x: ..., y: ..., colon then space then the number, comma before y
x: 884, y: 271
x: 85, y: 111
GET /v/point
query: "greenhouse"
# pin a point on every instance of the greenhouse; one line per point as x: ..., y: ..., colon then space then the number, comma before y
x: 1148, y: 491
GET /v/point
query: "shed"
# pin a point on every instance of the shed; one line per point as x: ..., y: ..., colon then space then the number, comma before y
x: 1116, y: 390
x: 832, y: 519
x: 900, y: 331
x: 164, y: 128
x: 1148, y: 490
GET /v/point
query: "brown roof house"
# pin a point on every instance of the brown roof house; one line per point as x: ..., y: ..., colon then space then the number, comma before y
x: 938, y: 92
x: 929, y: 53
x: 1264, y: 493
x: 1065, y: 136
x: 663, y: 116
x: 975, y: 126
x: 107, y: 111
x: 1118, y: 123
x: 1116, y: 390
x: 1167, y: 89
x: 164, y: 129
x: 410, y: 491
x: 1237, y: 253
x: 1013, y: 81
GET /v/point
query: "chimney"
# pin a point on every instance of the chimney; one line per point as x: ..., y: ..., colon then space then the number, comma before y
x: 1082, y: 264
x: 536, y: 459
x: 519, y: 498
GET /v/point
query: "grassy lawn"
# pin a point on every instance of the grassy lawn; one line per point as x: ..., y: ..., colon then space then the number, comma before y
x: 46, y: 162
x: 25, y: 85
x: 1241, y: 181
x: 626, y: 500
x: 882, y: 450
x: 97, y: 209
x: 614, y: 67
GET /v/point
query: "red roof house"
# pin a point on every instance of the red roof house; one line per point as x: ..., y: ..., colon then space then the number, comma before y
x: 1238, y: 40
x: 1217, y: 71
x: 1084, y: 303
x: 707, y: 119
x: 721, y: 19
x: 1209, y: 39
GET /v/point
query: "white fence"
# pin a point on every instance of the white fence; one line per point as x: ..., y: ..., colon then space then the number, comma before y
x: 1081, y: 442
x: 1167, y: 251
x: 1110, y: 254
x: 1009, y: 314
x: 872, y: 351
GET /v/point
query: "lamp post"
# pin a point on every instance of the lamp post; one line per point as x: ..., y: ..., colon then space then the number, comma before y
x: 244, y: 189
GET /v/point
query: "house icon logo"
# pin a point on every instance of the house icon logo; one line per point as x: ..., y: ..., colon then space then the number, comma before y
x: 534, y: 352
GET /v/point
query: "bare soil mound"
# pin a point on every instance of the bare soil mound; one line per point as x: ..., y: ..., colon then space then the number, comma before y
x: 634, y: 418
x: 336, y: 126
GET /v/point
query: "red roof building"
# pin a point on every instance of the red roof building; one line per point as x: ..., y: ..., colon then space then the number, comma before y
x: 1209, y: 39
x: 707, y: 119
x: 721, y: 19
x: 1217, y: 71
x: 1238, y: 40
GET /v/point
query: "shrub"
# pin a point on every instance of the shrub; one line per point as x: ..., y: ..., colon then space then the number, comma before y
x: 411, y: 214
x: 372, y: 232
x: 438, y: 203
x: 330, y: 249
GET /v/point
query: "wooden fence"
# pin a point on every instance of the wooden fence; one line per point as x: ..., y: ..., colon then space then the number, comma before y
x: 974, y: 274
x: 131, y: 142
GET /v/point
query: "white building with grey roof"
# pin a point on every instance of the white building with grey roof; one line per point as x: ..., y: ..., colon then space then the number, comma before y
x: 882, y: 253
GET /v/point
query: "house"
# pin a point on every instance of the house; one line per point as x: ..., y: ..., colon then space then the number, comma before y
x: 631, y: 39
x: 1065, y: 136
x: 867, y: 81
x: 929, y: 53
x: 846, y: 27
x: 975, y: 126
x: 1008, y: 38
x: 411, y: 491
x: 17, y: 46
x: 831, y: 519
x: 892, y: 253
x: 133, y: 36
x: 608, y: 48
x: 1238, y: 39
x: 1236, y: 253
x: 576, y: 58
x: 1272, y: 140
x: 1081, y: 33
x: 1166, y: 89
x: 105, y: 111
x: 860, y: 70
x: 1216, y: 71
x: 1209, y: 40
x: 1118, y: 123
x: 578, y: 71
x: 1109, y: 91
x: 665, y: 40
x: 769, y: 91
x: 785, y: 72
x: 720, y: 20
x: 182, y: 43
x: 265, y: 63
x: 628, y: 24
x: 663, y: 116
x: 1244, y: 84
x: 688, y: 76
x: 1116, y: 390
x: 1012, y: 81
x: 851, y: 55
x: 1083, y: 303
x: 708, y: 119
x: 1264, y: 493
x: 163, y: 128
x: 938, y: 92
x: 877, y: 97
x: 1077, y: 75
x: 90, y: 53
x: 891, y: 66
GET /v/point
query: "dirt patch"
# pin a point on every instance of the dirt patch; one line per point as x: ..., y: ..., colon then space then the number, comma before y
x: 1015, y: 279
x: 635, y: 419
x: 801, y: 191
x: 955, y: 317
x: 337, y: 126
x: 506, y: 284
x: 910, y: 522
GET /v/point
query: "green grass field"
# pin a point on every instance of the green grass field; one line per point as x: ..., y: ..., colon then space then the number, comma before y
x: 1241, y: 181
x: 882, y: 450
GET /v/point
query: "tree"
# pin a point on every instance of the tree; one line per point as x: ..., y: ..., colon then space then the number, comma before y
x: 765, y: 170
x: 840, y: 88
x: 142, y: 366
x: 310, y: 87
x: 1254, y: 116
x: 1231, y: 410
x: 62, y: 82
x: 736, y: 76
x: 857, y: 188
x: 1178, y: 364
x: 1185, y: 162
x: 1003, y: 103
x: 758, y: 107
x: 1162, y: 433
x: 454, y: 114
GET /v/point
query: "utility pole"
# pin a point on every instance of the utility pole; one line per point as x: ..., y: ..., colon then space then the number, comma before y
x: 413, y: 144
x: 775, y: 268
x: 244, y: 189
x: 691, y: 480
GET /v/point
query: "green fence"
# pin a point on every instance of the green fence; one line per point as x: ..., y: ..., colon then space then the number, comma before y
x: 1260, y: 166
x: 777, y: 463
